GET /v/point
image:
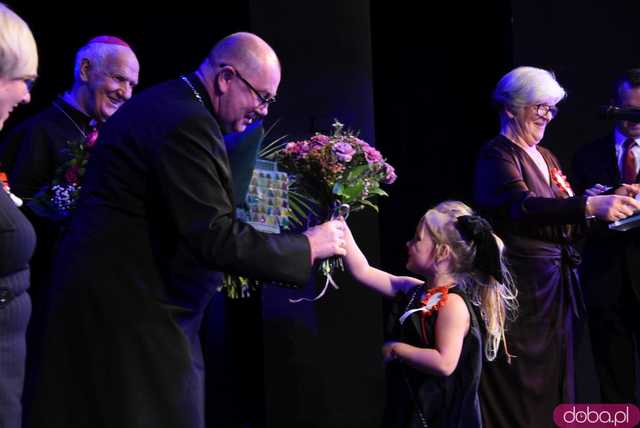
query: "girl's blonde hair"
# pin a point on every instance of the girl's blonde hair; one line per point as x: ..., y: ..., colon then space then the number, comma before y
x: 494, y: 297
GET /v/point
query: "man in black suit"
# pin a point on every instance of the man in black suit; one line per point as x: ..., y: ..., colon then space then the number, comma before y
x: 610, y: 271
x: 154, y: 226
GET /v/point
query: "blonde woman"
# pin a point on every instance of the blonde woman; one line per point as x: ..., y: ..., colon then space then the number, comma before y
x: 18, y: 69
x: 435, y: 346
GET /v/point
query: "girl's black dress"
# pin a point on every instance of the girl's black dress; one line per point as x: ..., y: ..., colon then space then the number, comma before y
x: 416, y: 399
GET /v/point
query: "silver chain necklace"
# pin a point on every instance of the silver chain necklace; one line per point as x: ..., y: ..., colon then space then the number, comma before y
x: 419, y: 288
x: 84, y: 134
x: 193, y: 89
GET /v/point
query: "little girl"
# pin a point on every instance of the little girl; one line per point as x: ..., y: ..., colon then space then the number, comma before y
x: 434, y: 346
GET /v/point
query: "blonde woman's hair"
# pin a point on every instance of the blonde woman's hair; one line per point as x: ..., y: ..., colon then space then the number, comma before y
x: 496, y: 300
x: 18, y: 51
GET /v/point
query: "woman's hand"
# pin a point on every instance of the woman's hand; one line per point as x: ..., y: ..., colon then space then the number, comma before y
x: 611, y: 207
x: 630, y: 190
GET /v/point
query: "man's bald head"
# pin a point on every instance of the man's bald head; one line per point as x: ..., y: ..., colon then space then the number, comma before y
x: 245, y: 51
x: 242, y: 74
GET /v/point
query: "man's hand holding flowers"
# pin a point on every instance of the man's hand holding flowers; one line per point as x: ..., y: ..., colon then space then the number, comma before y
x: 326, y: 240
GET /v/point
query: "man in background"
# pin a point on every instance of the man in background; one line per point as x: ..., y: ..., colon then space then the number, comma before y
x: 610, y: 270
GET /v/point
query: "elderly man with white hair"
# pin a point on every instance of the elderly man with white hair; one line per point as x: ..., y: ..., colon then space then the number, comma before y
x: 105, y: 73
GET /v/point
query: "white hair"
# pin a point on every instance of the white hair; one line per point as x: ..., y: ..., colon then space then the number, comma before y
x: 18, y: 51
x: 525, y: 86
x: 97, y: 54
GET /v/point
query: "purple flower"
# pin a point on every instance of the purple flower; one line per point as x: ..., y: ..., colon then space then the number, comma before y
x: 371, y: 154
x: 390, y: 174
x: 344, y: 151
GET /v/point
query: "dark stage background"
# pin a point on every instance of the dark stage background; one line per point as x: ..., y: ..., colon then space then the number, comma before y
x: 416, y: 81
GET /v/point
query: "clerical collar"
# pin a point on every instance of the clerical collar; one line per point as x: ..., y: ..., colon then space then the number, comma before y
x: 78, y: 119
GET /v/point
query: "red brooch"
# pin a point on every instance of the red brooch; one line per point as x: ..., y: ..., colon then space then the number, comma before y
x: 433, y: 300
x: 5, y: 182
x: 560, y: 180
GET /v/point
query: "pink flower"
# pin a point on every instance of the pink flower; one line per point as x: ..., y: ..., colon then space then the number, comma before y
x: 72, y: 174
x: 344, y: 151
x: 298, y: 149
x: 390, y: 174
x: 361, y: 142
x: 319, y: 140
x: 90, y: 141
x: 371, y: 154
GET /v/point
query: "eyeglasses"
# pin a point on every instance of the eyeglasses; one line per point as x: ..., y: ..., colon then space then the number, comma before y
x: 263, y: 100
x: 28, y: 81
x: 543, y: 109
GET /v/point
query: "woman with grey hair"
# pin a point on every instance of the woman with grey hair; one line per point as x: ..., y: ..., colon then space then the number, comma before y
x: 520, y: 187
x: 18, y: 68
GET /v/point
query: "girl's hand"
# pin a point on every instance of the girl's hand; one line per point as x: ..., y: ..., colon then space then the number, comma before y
x: 388, y: 352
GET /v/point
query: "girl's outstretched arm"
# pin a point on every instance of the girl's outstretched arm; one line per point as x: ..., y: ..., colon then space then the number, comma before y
x: 376, y: 279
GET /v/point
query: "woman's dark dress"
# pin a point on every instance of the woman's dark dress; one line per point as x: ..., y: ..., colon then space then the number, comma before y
x: 17, y: 241
x: 444, y: 401
x: 538, y: 223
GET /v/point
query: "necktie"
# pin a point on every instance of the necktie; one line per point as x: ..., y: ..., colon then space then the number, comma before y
x: 629, y: 171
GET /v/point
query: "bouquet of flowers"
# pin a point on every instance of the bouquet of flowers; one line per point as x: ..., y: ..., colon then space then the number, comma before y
x: 330, y: 171
x: 327, y: 175
x: 57, y: 200
x: 332, y: 175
